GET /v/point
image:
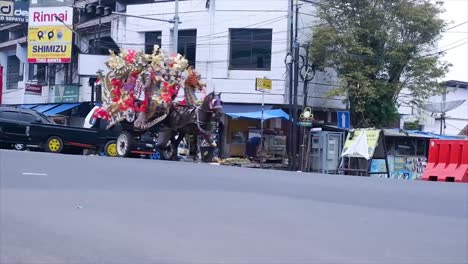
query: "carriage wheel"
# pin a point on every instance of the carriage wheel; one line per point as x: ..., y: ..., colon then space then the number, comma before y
x: 124, y: 144
x: 168, y: 152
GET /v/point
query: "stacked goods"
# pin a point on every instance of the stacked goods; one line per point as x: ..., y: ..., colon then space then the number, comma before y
x: 234, y: 161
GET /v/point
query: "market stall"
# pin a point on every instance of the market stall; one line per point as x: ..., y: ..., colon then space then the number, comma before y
x: 245, y: 135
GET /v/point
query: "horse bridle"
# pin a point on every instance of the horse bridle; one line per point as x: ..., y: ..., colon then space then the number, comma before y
x: 215, y: 103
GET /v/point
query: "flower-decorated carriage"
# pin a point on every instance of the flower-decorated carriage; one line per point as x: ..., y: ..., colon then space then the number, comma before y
x: 138, y: 94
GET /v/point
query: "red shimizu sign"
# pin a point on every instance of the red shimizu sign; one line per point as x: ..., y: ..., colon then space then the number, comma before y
x: 33, y: 89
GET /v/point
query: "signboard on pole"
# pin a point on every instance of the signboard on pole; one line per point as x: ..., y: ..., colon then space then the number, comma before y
x: 263, y: 84
x: 14, y: 12
x: 50, y: 35
x: 361, y: 143
x: 67, y: 93
x: 344, y: 120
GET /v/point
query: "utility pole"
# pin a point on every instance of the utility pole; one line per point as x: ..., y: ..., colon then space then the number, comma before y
x: 307, y: 76
x: 296, y: 84
x: 176, y: 26
x: 98, y: 40
x: 443, y: 110
x: 290, y: 86
x: 209, y: 75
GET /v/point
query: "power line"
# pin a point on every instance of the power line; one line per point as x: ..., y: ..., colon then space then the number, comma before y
x: 442, y: 51
x: 457, y: 25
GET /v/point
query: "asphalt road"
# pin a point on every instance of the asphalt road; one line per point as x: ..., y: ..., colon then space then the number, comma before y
x: 76, y: 209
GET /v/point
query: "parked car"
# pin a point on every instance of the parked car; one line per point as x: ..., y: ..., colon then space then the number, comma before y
x: 14, y: 125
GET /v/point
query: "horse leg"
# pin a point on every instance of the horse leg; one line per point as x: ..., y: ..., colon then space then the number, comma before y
x: 163, y: 138
x: 176, y: 142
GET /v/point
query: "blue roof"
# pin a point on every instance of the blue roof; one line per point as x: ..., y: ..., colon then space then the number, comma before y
x: 244, y: 108
x: 395, y: 132
x: 267, y: 114
x: 44, y: 107
x: 433, y: 135
x: 28, y: 106
x: 60, y: 108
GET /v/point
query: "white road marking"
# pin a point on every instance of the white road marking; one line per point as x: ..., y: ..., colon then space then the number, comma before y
x: 34, y: 173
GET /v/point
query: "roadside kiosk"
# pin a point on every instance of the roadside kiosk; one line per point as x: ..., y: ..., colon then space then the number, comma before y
x: 361, y: 147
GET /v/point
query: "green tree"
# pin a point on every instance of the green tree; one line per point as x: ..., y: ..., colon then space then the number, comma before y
x: 380, y: 48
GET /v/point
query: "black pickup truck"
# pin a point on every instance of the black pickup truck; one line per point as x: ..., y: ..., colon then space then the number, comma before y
x: 56, y: 138
x: 20, y: 128
x: 24, y: 127
x: 94, y: 135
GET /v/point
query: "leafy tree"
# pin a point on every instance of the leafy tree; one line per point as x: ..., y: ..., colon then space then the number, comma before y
x: 380, y: 48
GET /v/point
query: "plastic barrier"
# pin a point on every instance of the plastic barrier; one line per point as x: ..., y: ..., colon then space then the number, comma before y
x: 448, y: 161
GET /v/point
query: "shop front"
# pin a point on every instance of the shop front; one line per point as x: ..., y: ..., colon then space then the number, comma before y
x: 243, y: 134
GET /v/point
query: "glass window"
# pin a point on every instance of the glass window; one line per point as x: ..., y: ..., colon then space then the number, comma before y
x: 238, y: 137
x: 405, y: 147
x: 421, y: 147
x: 9, y: 115
x: 151, y: 39
x: 187, y: 45
x: 27, y: 117
x: 37, y: 72
x: 250, y: 49
x: 45, y: 118
x: 13, y: 72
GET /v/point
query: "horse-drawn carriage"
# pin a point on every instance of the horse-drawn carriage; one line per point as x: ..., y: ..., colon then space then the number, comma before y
x: 139, y: 94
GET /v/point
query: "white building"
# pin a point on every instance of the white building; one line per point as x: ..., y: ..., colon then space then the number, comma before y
x: 230, y: 42
x: 454, y: 102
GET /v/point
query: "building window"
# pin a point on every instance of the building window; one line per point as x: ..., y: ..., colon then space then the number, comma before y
x: 13, y: 72
x: 151, y: 39
x: 37, y: 73
x: 250, y: 49
x: 187, y: 45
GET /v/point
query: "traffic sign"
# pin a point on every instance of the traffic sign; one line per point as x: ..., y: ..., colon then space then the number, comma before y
x: 344, y: 120
x: 263, y: 84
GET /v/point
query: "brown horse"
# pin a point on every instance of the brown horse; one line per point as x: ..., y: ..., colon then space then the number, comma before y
x: 183, y: 120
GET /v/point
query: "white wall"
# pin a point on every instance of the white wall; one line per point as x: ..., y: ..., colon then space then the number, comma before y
x: 322, y: 82
x: 9, y: 96
x: 236, y: 86
x: 456, y: 119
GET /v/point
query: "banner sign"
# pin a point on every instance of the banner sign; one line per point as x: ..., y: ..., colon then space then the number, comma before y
x: 49, y: 34
x: 14, y: 12
x: 368, y: 145
x: 263, y: 84
x: 33, y: 89
x: 67, y: 93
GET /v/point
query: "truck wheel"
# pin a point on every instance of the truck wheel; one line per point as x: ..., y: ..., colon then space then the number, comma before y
x: 124, y: 144
x: 110, y: 149
x: 54, y: 144
x: 19, y: 146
